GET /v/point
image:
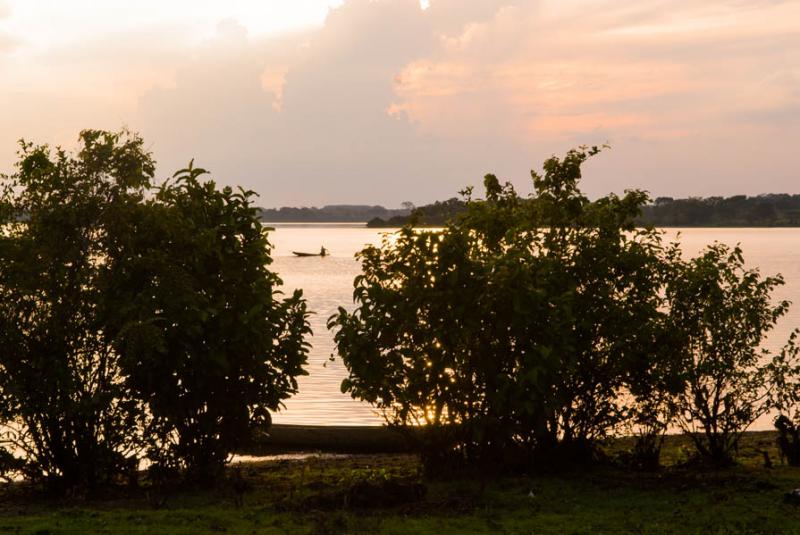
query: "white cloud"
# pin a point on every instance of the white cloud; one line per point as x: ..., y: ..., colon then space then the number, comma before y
x: 5, y: 39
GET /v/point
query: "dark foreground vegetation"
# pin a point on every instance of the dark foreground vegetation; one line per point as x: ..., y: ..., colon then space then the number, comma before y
x: 140, y: 325
x: 772, y: 210
x: 386, y: 494
x: 529, y: 330
x: 136, y: 321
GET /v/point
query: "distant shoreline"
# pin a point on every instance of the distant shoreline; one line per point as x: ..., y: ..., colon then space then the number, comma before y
x: 366, y: 224
x: 739, y: 211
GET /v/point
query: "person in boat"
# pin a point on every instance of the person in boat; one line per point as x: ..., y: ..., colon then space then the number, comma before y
x: 323, y: 251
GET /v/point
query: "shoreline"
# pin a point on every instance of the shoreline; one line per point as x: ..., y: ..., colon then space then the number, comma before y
x: 374, y: 439
x: 290, y: 438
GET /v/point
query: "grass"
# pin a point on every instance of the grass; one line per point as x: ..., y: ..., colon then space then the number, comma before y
x: 385, y: 494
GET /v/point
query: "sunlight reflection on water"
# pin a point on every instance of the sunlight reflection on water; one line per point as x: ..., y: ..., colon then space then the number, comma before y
x: 327, y: 284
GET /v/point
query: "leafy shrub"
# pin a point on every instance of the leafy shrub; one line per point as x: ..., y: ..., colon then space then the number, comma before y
x: 511, y: 331
x: 602, y: 279
x: 206, y: 340
x: 722, y: 312
x: 654, y: 378
x: 68, y: 416
x: 134, y: 319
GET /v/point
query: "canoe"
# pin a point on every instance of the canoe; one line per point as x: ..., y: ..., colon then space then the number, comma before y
x: 333, y: 439
x: 305, y: 254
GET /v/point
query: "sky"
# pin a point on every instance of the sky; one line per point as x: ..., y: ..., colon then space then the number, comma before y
x: 314, y: 102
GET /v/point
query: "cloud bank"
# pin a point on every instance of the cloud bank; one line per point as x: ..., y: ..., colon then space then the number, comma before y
x: 387, y: 102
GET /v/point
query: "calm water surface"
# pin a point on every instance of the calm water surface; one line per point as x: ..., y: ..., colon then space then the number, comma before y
x: 328, y: 283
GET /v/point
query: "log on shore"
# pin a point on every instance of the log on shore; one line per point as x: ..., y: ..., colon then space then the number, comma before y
x: 332, y: 439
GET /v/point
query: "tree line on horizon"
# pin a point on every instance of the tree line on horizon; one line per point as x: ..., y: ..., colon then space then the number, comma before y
x: 333, y: 213
x: 768, y: 210
x: 141, y: 322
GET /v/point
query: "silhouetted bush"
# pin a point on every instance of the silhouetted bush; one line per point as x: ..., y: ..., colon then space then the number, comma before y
x: 134, y: 319
x: 69, y: 418
x: 207, y: 341
x: 528, y: 330
x: 722, y: 313
x: 514, y: 328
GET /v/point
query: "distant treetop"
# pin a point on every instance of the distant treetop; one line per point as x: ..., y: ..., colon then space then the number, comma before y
x: 770, y: 210
x: 335, y: 213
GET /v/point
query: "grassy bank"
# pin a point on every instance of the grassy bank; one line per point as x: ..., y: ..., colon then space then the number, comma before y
x: 384, y: 494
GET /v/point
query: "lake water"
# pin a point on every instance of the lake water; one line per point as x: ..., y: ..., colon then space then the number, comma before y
x: 327, y: 283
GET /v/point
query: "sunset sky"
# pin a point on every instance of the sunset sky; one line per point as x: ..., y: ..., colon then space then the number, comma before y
x: 313, y: 102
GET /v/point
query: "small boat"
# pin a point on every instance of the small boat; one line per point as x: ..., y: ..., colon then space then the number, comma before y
x: 322, y: 252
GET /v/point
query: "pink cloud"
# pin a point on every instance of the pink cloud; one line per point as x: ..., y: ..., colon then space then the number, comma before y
x: 386, y: 98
